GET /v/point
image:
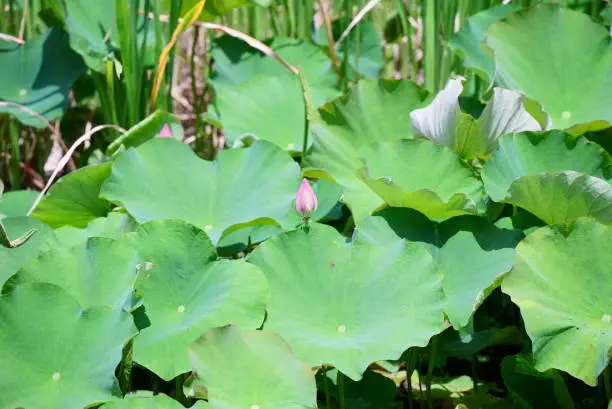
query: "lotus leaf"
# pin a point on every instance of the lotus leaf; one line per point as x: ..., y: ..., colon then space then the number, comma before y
x: 471, y: 253
x: 99, y: 271
x: 75, y: 199
x: 566, y: 67
x: 328, y: 297
x: 164, y: 179
x: 186, y: 291
x: 38, y: 75
x: 561, y: 285
x: 260, y: 362
x: 11, y: 259
x: 56, y: 354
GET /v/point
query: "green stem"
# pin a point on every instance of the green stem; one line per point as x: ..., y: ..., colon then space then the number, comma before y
x: 110, y: 92
x: 594, y: 8
x: 15, y: 175
x: 175, y: 13
x: 330, y: 37
x: 308, y: 18
x: 421, y: 398
x: 474, y: 373
x: 340, y: 384
x: 433, y: 350
x: 326, y: 391
x: 199, y: 134
x: 291, y: 12
x: 432, y: 49
x: 409, y: 371
x: 607, y: 383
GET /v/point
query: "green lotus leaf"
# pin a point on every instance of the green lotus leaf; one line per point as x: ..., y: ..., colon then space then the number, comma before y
x: 164, y: 179
x: 555, y: 176
x: 560, y: 198
x: 444, y: 123
x: 56, y: 354
x: 421, y: 175
x: 95, y: 36
x: 187, y: 291
x: 365, y: 54
x: 561, y: 284
x: 147, y: 402
x: 472, y: 255
x: 251, y: 110
x: 566, y: 67
x: 375, y: 110
x: 468, y: 41
x: 98, y: 271
x: 530, y: 154
x: 533, y: 389
x: 93, y: 32
x: 326, y: 297
x: 17, y: 203
x: 75, y: 199
x: 11, y: 259
x: 38, y: 75
x: 260, y: 362
x: 237, y: 62
x: 254, y: 91
x: 113, y: 226
x: 146, y: 130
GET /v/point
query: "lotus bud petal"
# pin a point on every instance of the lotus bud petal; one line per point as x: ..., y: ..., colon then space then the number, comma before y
x: 165, y: 132
x: 305, y: 200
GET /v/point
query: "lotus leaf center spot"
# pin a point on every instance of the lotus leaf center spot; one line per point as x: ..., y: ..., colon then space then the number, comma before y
x: 607, y: 318
x: 341, y: 329
x: 254, y: 406
x: 566, y: 115
x: 208, y: 227
x: 181, y: 308
x: 56, y: 376
x: 23, y: 92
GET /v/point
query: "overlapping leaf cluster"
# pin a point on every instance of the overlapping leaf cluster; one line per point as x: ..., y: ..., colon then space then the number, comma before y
x: 129, y: 261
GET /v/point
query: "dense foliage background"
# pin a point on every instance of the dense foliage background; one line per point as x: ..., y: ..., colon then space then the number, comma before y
x: 160, y: 161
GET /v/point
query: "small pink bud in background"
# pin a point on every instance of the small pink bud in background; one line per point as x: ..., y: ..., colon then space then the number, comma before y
x: 305, y: 200
x: 165, y: 132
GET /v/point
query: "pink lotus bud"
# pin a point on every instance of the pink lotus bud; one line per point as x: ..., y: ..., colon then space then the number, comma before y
x: 305, y: 200
x: 165, y: 132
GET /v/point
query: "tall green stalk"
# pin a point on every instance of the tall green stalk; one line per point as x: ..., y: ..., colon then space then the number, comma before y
x: 433, y: 350
x: 199, y: 134
x: 340, y: 385
x: 162, y: 101
x: 15, y: 172
x: 175, y: 13
x: 308, y: 6
x: 109, y: 95
x: 290, y: 10
x: 432, y: 45
x: 127, y: 20
x: 408, y: 64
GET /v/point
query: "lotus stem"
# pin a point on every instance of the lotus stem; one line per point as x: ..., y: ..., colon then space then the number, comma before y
x: 326, y: 391
x: 330, y: 37
x: 340, y: 384
x: 433, y: 349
